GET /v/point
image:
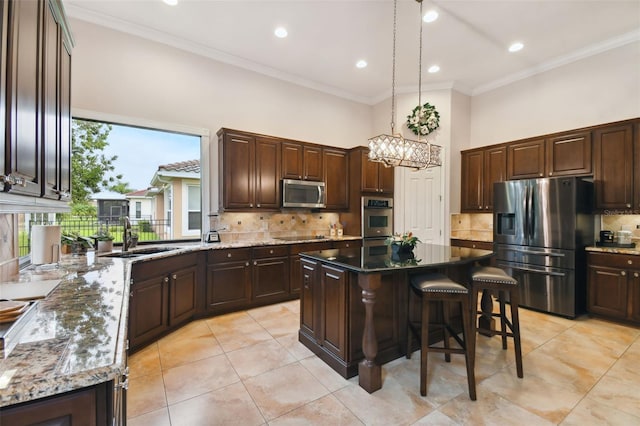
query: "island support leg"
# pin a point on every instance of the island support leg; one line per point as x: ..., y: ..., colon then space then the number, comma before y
x: 370, y: 374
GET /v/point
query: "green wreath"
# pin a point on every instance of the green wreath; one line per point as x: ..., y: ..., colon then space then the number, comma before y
x: 423, y: 119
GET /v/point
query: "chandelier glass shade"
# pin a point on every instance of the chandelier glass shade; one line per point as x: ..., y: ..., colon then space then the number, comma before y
x: 394, y: 150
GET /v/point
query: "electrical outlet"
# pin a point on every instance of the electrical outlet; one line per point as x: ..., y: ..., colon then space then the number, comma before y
x: 637, y: 226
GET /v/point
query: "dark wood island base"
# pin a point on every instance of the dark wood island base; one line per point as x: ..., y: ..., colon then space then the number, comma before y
x: 353, y: 308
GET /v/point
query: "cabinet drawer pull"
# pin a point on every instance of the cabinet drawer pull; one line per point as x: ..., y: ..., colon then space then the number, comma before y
x: 335, y: 277
x: 271, y: 251
x: 628, y: 205
x: 630, y: 262
x: 228, y: 254
x: 255, y: 262
x: 166, y: 279
x: 258, y: 205
x: 246, y: 264
x: 636, y: 275
x: 623, y: 273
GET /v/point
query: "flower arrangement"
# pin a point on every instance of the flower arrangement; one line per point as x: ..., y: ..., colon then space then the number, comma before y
x: 423, y: 119
x: 406, y: 240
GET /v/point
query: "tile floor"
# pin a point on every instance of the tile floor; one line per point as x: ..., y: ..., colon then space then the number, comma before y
x: 247, y: 368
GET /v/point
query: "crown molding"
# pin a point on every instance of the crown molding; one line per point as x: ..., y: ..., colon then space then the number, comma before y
x: 575, y: 56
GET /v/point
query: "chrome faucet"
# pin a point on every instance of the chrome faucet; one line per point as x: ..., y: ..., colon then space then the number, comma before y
x: 126, y: 233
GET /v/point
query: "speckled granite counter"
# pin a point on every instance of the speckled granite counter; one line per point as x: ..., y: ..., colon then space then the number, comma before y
x: 77, y: 336
x: 616, y: 250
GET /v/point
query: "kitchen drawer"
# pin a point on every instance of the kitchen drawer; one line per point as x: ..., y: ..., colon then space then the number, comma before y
x: 315, y: 246
x: 623, y: 261
x: 270, y: 251
x: 229, y: 255
x: 483, y: 245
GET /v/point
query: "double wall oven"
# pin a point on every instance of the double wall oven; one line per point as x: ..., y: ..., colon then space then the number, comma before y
x: 377, y: 224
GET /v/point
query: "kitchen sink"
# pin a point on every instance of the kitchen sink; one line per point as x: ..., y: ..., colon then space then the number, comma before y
x: 139, y: 252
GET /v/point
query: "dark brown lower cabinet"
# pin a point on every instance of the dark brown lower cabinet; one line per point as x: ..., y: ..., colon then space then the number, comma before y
x: 92, y: 406
x: 332, y: 316
x: 270, y: 274
x: 614, y: 286
x: 295, y: 281
x: 228, y: 280
x: 163, y: 296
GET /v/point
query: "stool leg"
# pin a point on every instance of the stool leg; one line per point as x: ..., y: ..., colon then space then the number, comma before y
x: 424, y: 346
x: 445, y: 330
x: 515, y: 322
x: 469, y: 355
x: 473, y: 311
x: 503, y: 322
x: 409, y: 330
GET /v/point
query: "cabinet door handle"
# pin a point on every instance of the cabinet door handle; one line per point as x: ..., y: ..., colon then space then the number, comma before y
x: 258, y: 205
x: 174, y: 276
x: 250, y: 204
x: 636, y: 275
x: 623, y: 273
x: 246, y: 264
x: 166, y: 279
x: 255, y: 262
x: 550, y: 173
x: 628, y: 205
x: 131, y: 294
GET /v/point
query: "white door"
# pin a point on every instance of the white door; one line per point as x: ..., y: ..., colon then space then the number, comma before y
x: 423, y: 205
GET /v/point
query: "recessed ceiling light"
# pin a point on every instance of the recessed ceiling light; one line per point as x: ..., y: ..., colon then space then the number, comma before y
x: 430, y: 16
x: 281, y: 32
x: 434, y: 69
x: 171, y: 2
x: 361, y: 63
x: 516, y: 47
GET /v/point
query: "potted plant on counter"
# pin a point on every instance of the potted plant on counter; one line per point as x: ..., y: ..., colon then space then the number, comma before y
x: 104, y: 241
x: 402, y: 245
x: 74, y: 243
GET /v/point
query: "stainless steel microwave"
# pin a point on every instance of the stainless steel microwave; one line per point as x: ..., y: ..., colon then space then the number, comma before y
x: 303, y: 193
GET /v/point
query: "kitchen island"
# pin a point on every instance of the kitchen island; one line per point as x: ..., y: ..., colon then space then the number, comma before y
x: 353, y: 307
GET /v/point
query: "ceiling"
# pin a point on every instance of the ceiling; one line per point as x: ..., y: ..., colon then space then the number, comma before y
x: 469, y: 40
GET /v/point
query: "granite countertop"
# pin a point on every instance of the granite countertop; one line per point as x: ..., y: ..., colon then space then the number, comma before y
x: 617, y: 250
x: 76, y: 336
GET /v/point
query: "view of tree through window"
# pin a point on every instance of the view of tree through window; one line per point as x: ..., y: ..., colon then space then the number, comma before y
x: 119, y: 171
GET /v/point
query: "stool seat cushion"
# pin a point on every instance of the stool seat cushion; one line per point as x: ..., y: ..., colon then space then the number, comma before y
x: 436, y: 283
x: 491, y: 274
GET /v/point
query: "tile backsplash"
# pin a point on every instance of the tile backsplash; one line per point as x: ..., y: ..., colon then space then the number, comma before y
x: 472, y: 226
x: 248, y: 226
x: 627, y: 222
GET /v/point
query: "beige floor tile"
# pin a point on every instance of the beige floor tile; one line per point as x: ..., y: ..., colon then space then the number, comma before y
x: 556, y: 370
x: 550, y: 401
x: 620, y: 394
x: 269, y: 311
x: 145, y: 394
x: 145, y: 362
x: 324, y: 411
x: 585, y: 354
x: 489, y: 409
x: 156, y: 418
x: 254, y: 360
x: 191, y: 330
x: 436, y: 418
x: 325, y: 374
x: 293, y: 306
x: 238, y: 330
x: 230, y: 405
x: 395, y: 404
x: 193, y: 379
x: 286, y: 324
x: 279, y: 391
x: 188, y: 349
x: 591, y: 412
x: 295, y: 348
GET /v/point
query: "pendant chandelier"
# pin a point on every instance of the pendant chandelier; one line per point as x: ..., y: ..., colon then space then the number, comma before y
x: 394, y: 150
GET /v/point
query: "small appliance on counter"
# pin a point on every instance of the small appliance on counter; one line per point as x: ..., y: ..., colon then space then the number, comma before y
x: 212, y: 237
x: 618, y: 239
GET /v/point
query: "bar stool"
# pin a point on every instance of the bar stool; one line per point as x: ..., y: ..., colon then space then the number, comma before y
x: 492, y: 278
x: 437, y: 287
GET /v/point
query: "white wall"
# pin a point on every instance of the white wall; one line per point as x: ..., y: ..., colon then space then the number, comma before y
x: 117, y: 73
x: 595, y: 90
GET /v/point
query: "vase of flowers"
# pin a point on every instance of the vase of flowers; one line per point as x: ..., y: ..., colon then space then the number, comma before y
x: 402, y: 245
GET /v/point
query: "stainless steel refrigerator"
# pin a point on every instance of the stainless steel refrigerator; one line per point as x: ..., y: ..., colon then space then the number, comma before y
x: 541, y: 227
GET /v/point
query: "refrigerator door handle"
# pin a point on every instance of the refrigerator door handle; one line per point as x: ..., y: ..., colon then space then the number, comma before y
x: 527, y: 199
x: 538, y: 253
x: 535, y: 271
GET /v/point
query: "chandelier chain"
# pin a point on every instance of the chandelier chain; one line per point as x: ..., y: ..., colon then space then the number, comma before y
x: 420, y: 61
x: 393, y: 69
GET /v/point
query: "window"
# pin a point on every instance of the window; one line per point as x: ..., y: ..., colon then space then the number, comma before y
x: 138, y: 209
x: 193, y: 207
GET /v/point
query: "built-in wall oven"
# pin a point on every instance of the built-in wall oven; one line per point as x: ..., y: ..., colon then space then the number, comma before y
x: 377, y: 217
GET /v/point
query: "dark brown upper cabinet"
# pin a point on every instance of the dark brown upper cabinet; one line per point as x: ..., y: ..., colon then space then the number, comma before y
x: 569, y: 154
x: 480, y: 169
x: 249, y: 171
x: 636, y: 172
x: 375, y: 177
x: 613, y: 171
x: 336, y: 172
x: 36, y: 90
x: 301, y: 161
x: 526, y: 159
